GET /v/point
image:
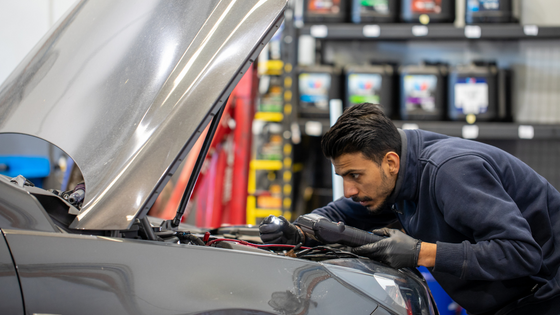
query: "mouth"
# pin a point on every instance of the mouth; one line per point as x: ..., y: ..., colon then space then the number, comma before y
x: 363, y: 201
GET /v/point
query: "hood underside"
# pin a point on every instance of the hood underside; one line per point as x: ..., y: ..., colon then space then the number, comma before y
x: 126, y: 87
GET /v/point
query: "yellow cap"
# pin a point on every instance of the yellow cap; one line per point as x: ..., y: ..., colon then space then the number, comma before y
x: 471, y: 118
x: 424, y: 19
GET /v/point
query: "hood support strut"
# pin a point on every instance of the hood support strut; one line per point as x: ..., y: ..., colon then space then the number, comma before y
x: 196, y: 169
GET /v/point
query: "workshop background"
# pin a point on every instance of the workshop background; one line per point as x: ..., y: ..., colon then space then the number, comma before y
x: 486, y: 70
x: 482, y: 70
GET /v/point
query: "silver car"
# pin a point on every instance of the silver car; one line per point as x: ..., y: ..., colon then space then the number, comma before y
x: 126, y: 88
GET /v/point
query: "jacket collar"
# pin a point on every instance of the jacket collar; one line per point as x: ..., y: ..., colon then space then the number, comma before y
x: 407, y: 173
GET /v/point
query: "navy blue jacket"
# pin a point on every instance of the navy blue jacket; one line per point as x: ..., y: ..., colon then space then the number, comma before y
x: 496, y: 222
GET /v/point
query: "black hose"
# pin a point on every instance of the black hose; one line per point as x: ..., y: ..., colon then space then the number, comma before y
x: 194, y: 239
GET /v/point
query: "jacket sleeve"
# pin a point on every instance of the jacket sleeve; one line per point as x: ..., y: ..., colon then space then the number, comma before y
x: 474, y: 202
x: 354, y: 214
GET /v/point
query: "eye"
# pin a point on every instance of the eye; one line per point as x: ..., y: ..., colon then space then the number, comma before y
x: 355, y: 175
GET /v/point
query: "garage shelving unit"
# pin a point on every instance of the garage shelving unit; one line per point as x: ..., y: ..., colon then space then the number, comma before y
x: 479, y: 130
x: 402, y: 31
x: 535, y: 143
x: 281, y: 71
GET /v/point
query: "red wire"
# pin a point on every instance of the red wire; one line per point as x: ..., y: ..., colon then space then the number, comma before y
x: 251, y: 244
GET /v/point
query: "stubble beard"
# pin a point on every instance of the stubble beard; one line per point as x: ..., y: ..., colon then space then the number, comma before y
x: 384, y: 206
x: 385, y: 190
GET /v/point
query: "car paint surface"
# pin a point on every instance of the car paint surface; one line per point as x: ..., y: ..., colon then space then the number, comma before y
x: 120, y: 275
x: 79, y: 274
x: 126, y: 87
x: 10, y: 293
x: 20, y: 210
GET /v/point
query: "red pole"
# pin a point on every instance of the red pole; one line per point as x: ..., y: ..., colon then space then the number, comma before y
x: 243, y: 115
x: 218, y: 193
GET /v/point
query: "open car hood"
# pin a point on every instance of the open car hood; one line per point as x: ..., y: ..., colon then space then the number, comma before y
x: 126, y: 87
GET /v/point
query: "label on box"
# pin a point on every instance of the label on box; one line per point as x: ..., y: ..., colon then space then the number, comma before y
x: 314, y: 128
x: 483, y: 5
x: 531, y: 30
x: 426, y: 6
x: 469, y: 131
x: 314, y: 89
x: 371, y: 30
x: 526, y: 132
x: 471, y: 95
x: 419, y: 30
x: 473, y: 31
x: 420, y: 92
x: 379, y: 6
x: 323, y: 6
x: 319, y: 31
x: 364, y: 88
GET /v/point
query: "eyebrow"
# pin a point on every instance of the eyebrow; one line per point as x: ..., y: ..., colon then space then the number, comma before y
x: 348, y: 172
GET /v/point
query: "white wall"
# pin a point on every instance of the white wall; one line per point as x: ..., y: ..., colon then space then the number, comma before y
x: 22, y: 24
x: 540, y: 12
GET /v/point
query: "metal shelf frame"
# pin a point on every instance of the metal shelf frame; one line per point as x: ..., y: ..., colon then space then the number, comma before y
x: 479, y: 131
x: 486, y: 130
x: 528, y: 140
x: 403, y: 31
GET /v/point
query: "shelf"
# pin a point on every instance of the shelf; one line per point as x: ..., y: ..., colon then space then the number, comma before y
x: 268, y: 165
x: 269, y: 116
x: 403, y: 31
x: 313, y: 112
x: 253, y: 212
x: 486, y: 130
x: 271, y: 67
x: 478, y: 131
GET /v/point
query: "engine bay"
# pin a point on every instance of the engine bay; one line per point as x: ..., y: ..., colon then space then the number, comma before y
x: 28, y: 205
x: 63, y: 207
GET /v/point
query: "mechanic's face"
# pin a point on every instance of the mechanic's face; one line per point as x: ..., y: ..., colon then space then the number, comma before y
x: 365, y: 181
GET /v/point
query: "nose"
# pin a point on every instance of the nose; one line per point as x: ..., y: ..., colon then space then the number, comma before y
x: 349, y: 190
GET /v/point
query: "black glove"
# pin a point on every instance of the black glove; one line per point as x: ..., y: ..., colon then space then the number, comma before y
x: 398, y: 250
x: 277, y: 230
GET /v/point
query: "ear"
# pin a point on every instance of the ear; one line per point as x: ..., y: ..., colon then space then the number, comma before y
x: 393, y: 162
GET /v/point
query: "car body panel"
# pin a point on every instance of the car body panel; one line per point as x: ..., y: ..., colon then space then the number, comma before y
x: 126, y: 87
x: 62, y: 272
x: 77, y: 274
x: 21, y: 210
x: 10, y: 293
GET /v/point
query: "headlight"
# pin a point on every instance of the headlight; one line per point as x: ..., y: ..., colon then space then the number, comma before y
x: 399, y: 291
x: 392, y: 289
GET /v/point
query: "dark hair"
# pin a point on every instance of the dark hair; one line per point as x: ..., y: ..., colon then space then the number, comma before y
x: 362, y: 128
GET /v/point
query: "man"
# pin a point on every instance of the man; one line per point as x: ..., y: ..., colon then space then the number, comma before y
x: 484, y: 223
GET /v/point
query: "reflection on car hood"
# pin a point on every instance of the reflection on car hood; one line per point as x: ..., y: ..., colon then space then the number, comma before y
x: 126, y: 87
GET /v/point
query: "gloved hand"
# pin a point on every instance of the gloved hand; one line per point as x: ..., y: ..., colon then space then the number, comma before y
x: 398, y: 250
x: 277, y: 230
